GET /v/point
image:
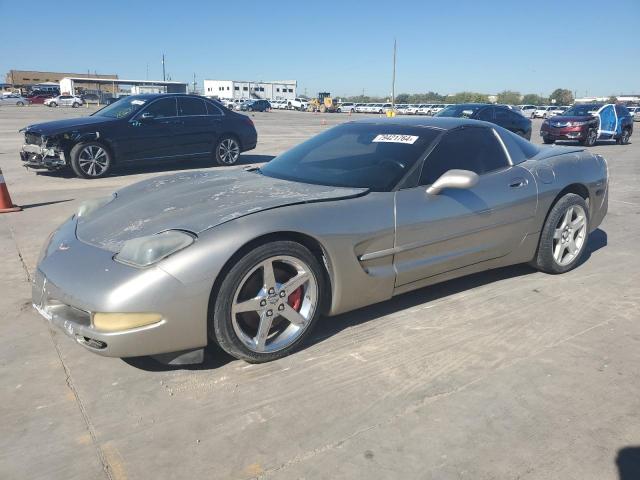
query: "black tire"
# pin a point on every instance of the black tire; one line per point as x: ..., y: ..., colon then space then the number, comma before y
x: 547, y: 140
x: 544, y: 259
x: 591, y: 138
x: 20, y: 104
x: 338, y: 110
x: 82, y: 169
x: 53, y: 104
x: 227, y: 150
x: 220, y: 321
x: 623, y: 139
x: 75, y: 105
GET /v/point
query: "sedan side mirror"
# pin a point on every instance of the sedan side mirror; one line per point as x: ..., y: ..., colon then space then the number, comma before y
x: 454, y: 179
x: 146, y: 116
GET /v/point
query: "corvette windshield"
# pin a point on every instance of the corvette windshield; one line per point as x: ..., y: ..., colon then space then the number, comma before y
x: 581, y: 110
x: 356, y: 155
x: 122, y: 108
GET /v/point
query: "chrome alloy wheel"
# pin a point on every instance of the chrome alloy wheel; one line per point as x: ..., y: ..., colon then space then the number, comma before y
x: 569, y: 235
x: 93, y: 160
x: 274, y: 304
x: 228, y: 151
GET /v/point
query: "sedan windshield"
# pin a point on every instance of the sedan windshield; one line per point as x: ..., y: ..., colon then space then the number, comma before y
x: 356, y: 155
x: 465, y: 111
x: 122, y: 108
x: 582, y: 110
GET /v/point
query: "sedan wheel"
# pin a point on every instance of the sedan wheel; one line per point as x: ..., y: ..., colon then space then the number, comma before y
x: 227, y: 151
x: 624, y: 137
x: 90, y: 160
x: 564, y: 236
x: 268, y: 302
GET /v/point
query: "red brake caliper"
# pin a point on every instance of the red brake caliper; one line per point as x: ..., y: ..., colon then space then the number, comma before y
x: 295, y: 299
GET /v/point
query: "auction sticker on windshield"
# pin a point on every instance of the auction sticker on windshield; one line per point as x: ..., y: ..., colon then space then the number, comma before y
x: 396, y: 138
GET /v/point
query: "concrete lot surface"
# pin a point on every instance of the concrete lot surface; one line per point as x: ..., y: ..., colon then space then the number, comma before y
x: 509, y: 374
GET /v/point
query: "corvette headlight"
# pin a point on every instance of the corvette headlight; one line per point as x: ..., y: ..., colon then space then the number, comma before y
x: 89, y: 206
x: 145, y: 251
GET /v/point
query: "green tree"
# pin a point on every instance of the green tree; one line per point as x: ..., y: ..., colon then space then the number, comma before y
x: 562, y: 96
x: 468, y: 97
x: 534, y: 99
x: 402, y: 98
x: 612, y: 99
x: 509, y: 98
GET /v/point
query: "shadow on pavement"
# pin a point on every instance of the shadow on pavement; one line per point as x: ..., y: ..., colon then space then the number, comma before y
x: 163, y: 166
x: 43, y: 204
x: 327, y: 327
x: 628, y: 463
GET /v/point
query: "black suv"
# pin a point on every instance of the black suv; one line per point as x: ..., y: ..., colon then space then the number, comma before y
x: 498, y: 114
x: 139, y: 128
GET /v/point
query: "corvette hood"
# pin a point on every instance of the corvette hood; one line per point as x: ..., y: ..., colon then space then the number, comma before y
x: 194, y: 201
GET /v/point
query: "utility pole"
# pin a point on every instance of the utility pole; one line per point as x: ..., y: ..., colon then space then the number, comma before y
x: 194, y: 82
x: 164, y: 77
x: 393, y: 82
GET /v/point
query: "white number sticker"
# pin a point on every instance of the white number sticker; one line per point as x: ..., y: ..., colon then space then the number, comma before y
x: 396, y: 138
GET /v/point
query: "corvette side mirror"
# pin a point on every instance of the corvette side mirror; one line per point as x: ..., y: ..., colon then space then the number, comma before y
x: 454, y: 179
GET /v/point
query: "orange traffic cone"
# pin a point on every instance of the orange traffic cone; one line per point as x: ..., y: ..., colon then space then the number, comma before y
x: 6, y: 205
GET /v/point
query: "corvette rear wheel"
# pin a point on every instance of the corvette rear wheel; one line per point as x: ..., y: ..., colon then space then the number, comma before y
x: 564, y: 235
x: 268, y: 302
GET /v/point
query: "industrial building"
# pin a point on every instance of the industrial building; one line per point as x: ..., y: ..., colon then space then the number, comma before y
x: 76, y: 85
x: 277, y: 90
x: 28, y: 79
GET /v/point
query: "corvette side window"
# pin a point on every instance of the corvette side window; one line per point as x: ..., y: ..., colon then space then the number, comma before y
x: 473, y: 148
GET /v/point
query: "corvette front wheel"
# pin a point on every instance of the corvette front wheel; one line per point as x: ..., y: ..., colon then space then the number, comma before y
x: 268, y: 302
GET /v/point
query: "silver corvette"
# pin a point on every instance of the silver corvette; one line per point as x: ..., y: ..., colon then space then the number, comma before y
x: 251, y: 259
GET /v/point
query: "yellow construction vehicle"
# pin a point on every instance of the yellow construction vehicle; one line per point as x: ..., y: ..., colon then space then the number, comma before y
x: 324, y: 103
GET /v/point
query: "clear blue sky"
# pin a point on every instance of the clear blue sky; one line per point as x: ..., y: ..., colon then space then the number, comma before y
x: 446, y: 46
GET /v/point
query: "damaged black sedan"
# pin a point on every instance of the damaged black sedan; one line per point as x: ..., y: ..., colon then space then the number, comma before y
x: 140, y: 129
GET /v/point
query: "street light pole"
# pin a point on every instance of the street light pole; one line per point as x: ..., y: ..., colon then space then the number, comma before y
x: 393, y: 82
x: 164, y: 77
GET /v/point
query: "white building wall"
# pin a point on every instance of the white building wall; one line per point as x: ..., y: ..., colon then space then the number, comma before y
x: 281, y: 90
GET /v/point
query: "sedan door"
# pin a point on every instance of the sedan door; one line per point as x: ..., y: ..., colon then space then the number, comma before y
x: 150, y: 134
x: 197, y: 129
x: 459, y: 227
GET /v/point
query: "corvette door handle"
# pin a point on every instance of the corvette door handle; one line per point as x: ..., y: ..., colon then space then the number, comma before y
x: 518, y: 182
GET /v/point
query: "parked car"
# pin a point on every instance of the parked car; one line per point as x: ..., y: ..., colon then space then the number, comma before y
x: 412, y: 109
x: 299, y: 104
x: 542, y: 112
x: 256, y: 106
x: 498, y: 114
x: 346, y: 107
x: 436, y: 109
x: 635, y: 111
x: 251, y: 259
x: 588, y: 123
x: 137, y: 129
x: 37, y: 99
x: 360, y: 107
x: 556, y: 111
x: 14, y: 99
x: 402, y: 108
x: 527, y: 110
x: 279, y: 104
x: 64, y: 101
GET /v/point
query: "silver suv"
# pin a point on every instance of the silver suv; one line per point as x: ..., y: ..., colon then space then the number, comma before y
x: 63, y: 101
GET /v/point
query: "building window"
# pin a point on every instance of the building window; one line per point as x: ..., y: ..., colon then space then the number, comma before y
x: 227, y: 88
x: 277, y: 89
x: 236, y: 88
x: 291, y: 90
x: 244, y: 89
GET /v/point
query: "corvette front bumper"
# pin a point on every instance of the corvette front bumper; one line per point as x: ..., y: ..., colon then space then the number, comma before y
x: 74, y: 280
